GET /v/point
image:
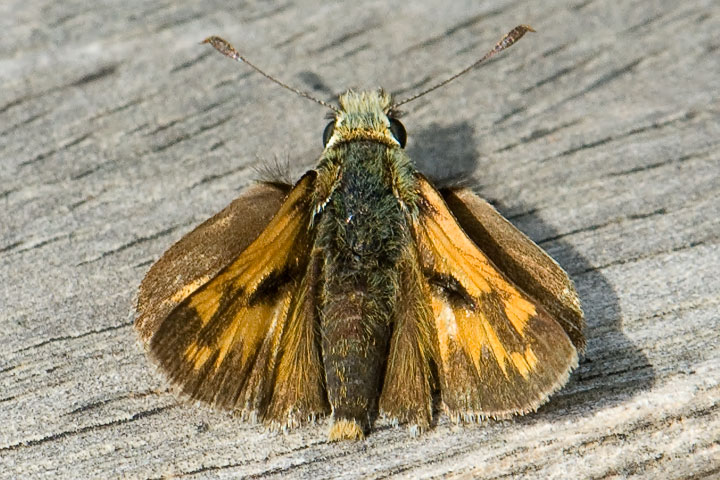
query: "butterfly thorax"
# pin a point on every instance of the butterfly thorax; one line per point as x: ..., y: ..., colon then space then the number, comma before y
x: 363, y: 119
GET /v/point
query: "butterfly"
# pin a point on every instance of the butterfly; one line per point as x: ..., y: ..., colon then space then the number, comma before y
x: 361, y: 290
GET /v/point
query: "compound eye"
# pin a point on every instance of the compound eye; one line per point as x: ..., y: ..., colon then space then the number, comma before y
x: 327, y: 133
x: 398, y: 131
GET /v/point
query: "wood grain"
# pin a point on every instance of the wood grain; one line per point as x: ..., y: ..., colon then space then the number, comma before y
x: 597, y: 136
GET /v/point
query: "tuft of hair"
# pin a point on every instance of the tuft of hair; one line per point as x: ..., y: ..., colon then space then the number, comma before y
x: 346, y: 430
x: 275, y: 172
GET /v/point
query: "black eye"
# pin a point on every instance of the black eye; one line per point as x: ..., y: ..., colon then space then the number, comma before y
x: 398, y: 131
x: 327, y: 133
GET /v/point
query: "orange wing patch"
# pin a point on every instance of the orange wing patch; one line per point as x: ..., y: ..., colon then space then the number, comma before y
x: 521, y: 260
x: 250, y: 326
x: 227, y: 343
x: 499, y: 350
x: 201, y: 254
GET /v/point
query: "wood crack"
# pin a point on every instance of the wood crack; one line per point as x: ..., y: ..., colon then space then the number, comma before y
x: 89, y: 428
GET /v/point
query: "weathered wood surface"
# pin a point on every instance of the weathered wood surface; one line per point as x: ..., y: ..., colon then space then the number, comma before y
x: 598, y: 136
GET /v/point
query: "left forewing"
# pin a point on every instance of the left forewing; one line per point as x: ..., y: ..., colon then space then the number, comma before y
x: 499, y: 351
x: 246, y: 339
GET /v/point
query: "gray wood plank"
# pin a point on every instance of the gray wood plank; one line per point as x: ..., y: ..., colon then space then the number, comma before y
x: 597, y: 136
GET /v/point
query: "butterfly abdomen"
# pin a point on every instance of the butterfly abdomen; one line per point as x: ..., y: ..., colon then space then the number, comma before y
x: 362, y: 233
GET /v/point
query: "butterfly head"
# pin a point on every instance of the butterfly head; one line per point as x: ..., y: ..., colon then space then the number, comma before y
x: 365, y: 116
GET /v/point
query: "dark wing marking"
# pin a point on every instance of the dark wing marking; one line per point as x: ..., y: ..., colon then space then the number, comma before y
x: 526, y: 264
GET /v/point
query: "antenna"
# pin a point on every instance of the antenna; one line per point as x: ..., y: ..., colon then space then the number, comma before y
x: 508, y: 40
x: 224, y: 47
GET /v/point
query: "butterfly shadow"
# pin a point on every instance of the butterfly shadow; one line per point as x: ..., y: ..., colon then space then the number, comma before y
x: 613, y: 369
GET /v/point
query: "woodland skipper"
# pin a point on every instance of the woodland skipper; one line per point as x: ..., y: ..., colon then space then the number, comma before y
x: 361, y: 289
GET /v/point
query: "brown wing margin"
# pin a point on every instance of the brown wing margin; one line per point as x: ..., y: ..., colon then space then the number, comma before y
x: 526, y: 264
x: 499, y: 350
x: 246, y: 338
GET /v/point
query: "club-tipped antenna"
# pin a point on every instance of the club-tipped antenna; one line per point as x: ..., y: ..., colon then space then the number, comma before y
x: 224, y: 47
x: 508, y: 40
